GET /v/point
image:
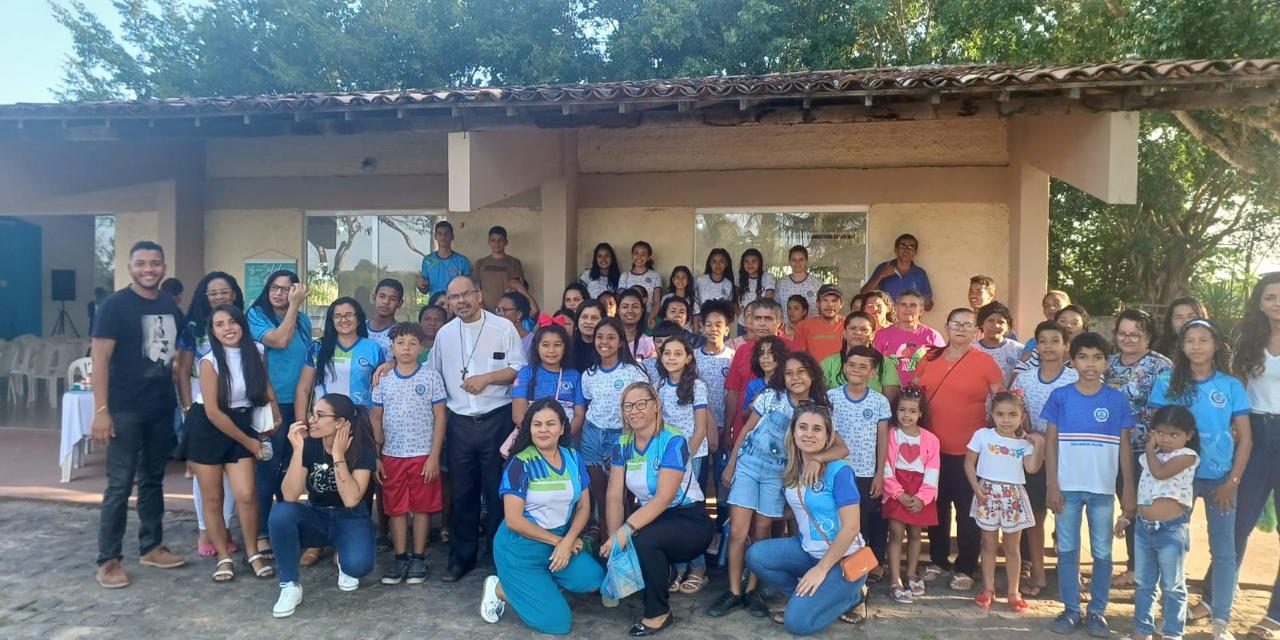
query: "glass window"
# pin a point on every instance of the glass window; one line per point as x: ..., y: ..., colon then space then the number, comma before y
x: 836, y: 239
x: 348, y: 252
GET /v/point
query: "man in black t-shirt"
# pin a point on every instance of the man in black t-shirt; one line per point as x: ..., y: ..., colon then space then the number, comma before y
x: 134, y: 343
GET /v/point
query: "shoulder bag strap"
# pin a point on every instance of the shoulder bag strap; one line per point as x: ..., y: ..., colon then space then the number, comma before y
x: 947, y: 375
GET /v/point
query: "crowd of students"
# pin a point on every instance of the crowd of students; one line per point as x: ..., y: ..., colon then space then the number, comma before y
x: 831, y: 437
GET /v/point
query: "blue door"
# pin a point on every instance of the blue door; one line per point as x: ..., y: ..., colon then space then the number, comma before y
x: 20, y: 281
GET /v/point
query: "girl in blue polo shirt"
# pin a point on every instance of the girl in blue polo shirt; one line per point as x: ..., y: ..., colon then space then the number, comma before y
x: 806, y: 568
x: 537, y: 551
x: 549, y: 375
x: 1200, y: 382
x: 341, y: 361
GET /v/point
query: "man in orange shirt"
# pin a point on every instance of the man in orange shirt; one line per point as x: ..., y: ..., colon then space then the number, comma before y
x: 821, y: 334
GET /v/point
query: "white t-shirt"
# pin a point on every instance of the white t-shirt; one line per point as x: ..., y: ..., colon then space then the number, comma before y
x: 1007, y: 354
x: 647, y: 281
x: 858, y: 422
x: 808, y: 288
x: 705, y: 290
x: 1035, y: 392
x: 916, y: 464
x: 484, y: 346
x: 713, y: 369
x: 1264, y: 391
x: 595, y: 287
x: 602, y: 392
x: 683, y: 416
x: 408, y: 411
x: 383, y: 338
x: 767, y: 283
x: 239, y: 394
x: 1179, y: 487
x: 1000, y: 458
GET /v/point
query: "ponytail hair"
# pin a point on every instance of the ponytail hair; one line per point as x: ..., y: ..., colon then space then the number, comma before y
x: 358, y: 416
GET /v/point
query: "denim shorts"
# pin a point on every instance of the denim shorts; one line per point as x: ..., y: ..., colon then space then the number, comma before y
x: 757, y: 485
x: 598, y: 444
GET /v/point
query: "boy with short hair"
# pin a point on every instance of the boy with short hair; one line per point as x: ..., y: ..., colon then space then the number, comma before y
x: 1087, y: 425
x: 388, y: 297
x: 408, y: 427
x: 861, y: 417
x: 442, y: 265
x: 497, y: 269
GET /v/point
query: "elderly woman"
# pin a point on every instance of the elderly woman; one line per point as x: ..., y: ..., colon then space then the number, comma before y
x: 537, y: 550
x: 651, y: 461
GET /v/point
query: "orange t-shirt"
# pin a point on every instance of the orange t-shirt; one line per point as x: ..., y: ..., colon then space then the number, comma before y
x: 958, y: 403
x: 820, y: 337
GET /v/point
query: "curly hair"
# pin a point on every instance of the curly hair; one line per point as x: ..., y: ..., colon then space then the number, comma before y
x: 1254, y: 332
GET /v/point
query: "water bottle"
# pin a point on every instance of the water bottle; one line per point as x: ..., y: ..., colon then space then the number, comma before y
x: 267, y: 451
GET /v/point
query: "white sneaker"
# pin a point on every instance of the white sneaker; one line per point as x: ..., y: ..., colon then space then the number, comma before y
x: 290, y: 598
x: 491, y: 606
x: 346, y: 582
x: 1221, y: 630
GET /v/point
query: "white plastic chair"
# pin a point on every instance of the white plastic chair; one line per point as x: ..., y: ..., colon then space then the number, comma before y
x: 51, y: 367
x: 9, y: 352
x: 79, y: 369
x: 23, y: 368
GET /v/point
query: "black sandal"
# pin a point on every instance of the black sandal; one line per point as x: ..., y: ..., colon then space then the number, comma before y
x: 642, y: 630
x: 856, y: 615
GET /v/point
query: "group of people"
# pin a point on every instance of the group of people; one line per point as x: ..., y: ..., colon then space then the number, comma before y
x: 549, y: 442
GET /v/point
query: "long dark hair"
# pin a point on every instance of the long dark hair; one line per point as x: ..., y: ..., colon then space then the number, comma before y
x: 584, y: 353
x: 524, y: 437
x: 535, y: 358
x: 199, y: 312
x: 684, y: 388
x: 358, y: 416
x: 640, y: 296
x: 1182, y: 383
x: 688, y: 289
x: 624, y: 352
x: 1255, y: 332
x: 648, y: 264
x: 1169, y: 341
x: 817, y: 384
x: 917, y: 394
x: 744, y: 278
x: 251, y: 366
x: 329, y: 339
x: 844, y: 344
x: 263, y: 301
x: 614, y: 273
x: 777, y: 349
x: 1180, y: 418
x: 576, y: 286
x: 728, y: 264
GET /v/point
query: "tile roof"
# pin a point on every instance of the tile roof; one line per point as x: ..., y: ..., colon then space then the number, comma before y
x: 902, y: 81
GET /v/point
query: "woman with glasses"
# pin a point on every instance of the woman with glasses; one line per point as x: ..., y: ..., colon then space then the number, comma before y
x: 957, y: 380
x: 342, y: 361
x: 333, y: 461
x: 514, y: 306
x: 652, y: 462
x: 1132, y: 370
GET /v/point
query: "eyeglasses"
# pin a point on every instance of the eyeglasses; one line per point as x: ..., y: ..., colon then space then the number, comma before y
x: 962, y: 326
x: 638, y: 405
x: 505, y: 309
x: 1130, y: 336
x: 279, y: 289
x: 344, y: 316
x: 316, y: 415
x: 457, y: 297
x: 908, y: 247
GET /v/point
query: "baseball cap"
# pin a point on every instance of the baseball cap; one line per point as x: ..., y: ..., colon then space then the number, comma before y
x: 830, y: 289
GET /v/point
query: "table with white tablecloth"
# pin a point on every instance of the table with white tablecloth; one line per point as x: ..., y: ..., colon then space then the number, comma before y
x: 77, y: 424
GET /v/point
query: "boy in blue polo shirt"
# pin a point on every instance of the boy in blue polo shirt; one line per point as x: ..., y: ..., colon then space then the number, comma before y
x: 443, y: 264
x: 1088, y: 426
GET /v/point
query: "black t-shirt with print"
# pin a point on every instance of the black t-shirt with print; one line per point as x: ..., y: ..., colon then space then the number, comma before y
x: 146, y: 336
x: 322, y: 484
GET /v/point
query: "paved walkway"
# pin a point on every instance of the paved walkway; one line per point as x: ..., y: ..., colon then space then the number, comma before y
x: 49, y: 592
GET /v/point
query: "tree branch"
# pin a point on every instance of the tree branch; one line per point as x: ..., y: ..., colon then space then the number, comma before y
x: 1217, y: 145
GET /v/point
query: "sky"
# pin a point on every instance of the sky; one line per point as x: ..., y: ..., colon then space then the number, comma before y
x: 33, y: 47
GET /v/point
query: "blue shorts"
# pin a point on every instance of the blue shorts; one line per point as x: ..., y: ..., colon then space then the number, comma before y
x: 757, y: 485
x: 598, y: 444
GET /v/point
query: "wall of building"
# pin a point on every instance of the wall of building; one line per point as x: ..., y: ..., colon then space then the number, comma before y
x: 396, y: 154
x: 132, y: 226
x: 232, y: 236
x: 66, y: 243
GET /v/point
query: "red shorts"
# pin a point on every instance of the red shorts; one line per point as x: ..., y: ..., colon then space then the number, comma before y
x: 404, y: 491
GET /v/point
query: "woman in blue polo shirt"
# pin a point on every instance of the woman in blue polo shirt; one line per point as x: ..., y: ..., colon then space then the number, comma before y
x: 278, y: 322
x: 1200, y: 381
x: 807, y: 567
x: 652, y: 462
x: 546, y: 506
x: 342, y: 360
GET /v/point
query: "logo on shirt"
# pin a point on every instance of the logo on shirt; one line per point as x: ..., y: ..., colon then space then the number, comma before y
x: 618, y: 384
x: 866, y: 413
x: 364, y: 362
x: 566, y: 387
x: 1218, y: 399
x: 420, y: 389
x: 819, y: 486
x: 1101, y: 414
x: 724, y: 371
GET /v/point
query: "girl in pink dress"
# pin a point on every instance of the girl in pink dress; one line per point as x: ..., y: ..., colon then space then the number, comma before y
x: 910, y: 489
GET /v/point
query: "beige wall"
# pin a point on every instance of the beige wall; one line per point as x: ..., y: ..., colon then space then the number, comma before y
x: 231, y: 236
x: 132, y: 226
x: 668, y: 229
x: 938, y: 143
x: 66, y: 242
x: 392, y: 154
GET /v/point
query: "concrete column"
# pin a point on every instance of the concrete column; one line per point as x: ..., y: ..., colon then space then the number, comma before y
x: 180, y: 228
x: 1028, y: 204
x: 560, y: 225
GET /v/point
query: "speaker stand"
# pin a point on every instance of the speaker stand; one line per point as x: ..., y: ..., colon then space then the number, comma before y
x: 64, y: 322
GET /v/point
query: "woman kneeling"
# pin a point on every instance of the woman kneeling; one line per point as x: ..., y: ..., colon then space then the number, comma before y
x: 546, y: 507
x: 807, y: 568
x: 334, y: 458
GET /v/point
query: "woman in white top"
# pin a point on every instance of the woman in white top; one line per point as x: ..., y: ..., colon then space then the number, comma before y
x: 1257, y: 362
x: 753, y: 282
x: 221, y: 436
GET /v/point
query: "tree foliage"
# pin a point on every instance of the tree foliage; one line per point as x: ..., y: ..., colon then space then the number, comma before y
x: 1207, y: 181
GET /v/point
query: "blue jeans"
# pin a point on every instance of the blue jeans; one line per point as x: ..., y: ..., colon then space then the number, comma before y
x: 295, y: 525
x: 780, y: 563
x: 268, y: 475
x: 1160, y: 554
x: 1100, y: 509
x: 1220, y: 591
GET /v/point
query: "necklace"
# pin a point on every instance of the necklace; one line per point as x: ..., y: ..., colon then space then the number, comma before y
x: 466, y: 365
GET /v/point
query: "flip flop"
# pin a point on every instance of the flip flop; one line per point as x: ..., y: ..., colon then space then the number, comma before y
x: 961, y: 582
x: 1260, y: 632
x: 1030, y: 590
x: 206, y: 550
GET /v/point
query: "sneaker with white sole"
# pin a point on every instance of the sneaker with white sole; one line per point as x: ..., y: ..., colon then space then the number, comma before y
x: 290, y: 598
x: 346, y: 582
x: 491, y: 606
x: 1221, y: 630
